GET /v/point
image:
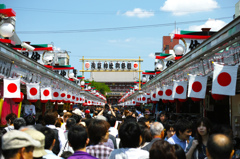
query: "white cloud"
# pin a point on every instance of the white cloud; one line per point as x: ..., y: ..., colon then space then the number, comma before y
x: 215, y: 25
x: 184, y: 7
x: 138, y: 12
x: 151, y: 55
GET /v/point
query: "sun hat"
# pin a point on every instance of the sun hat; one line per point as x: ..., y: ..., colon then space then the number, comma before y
x: 17, y: 139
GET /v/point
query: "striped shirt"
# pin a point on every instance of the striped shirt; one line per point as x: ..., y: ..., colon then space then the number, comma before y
x: 100, y: 151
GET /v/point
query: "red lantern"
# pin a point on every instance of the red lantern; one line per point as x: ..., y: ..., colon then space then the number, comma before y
x: 33, y: 100
x: 196, y: 99
x: 182, y: 100
x: 172, y: 101
x: 17, y: 100
x: 165, y: 101
x: 218, y: 96
x: 154, y: 102
x: 53, y: 100
x: 59, y: 101
x: 44, y: 101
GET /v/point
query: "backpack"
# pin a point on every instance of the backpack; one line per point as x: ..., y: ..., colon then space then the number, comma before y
x: 56, y: 148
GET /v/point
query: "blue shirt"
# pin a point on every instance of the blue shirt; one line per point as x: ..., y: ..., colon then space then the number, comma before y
x: 51, y: 155
x: 175, y: 140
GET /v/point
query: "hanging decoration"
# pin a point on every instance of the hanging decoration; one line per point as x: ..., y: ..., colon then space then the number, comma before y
x: 18, y: 100
x: 180, y: 89
x: 46, y: 93
x: 167, y: 92
x: 197, y: 86
x: 33, y: 91
x: 11, y: 88
x: 224, y: 79
x: 218, y: 96
x: 159, y: 93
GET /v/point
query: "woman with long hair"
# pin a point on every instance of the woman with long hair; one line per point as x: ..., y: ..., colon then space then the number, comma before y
x: 197, y: 146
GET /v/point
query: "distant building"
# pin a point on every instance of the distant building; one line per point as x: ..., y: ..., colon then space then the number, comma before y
x: 118, y: 82
x: 168, y: 44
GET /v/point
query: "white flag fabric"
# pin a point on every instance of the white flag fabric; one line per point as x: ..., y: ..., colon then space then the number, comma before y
x: 224, y: 80
x: 11, y: 88
x: 63, y: 95
x: 46, y: 93
x: 133, y: 102
x: 197, y: 86
x: 180, y: 89
x: 69, y: 96
x: 55, y: 94
x: 148, y: 95
x: 81, y: 99
x: 159, y: 93
x: 144, y: 98
x: 167, y: 92
x: 33, y: 91
x: 89, y: 102
x: 154, y: 96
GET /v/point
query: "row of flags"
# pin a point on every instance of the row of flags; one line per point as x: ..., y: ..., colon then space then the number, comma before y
x: 35, y: 92
x: 223, y: 83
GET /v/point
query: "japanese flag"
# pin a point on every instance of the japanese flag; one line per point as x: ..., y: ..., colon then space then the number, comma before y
x: 33, y: 91
x: 69, y: 96
x: 180, y: 89
x: 197, y: 86
x: 148, y: 95
x: 73, y: 97
x: 11, y: 88
x: 154, y: 96
x: 81, y: 99
x: 159, y: 93
x: 167, y: 92
x: 133, y: 102
x: 144, y: 98
x: 224, y: 80
x: 89, y: 102
x: 77, y: 99
x: 56, y: 94
x: 63, y: 95
x: 46, y: 93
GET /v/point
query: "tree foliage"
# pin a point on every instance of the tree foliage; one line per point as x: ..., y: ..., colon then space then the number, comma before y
x: 101, y: 87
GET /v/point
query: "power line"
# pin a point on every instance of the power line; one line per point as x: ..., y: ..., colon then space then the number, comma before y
x: 116, y: 28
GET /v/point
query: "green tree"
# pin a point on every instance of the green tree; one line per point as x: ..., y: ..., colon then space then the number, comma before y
x: 101, y: 87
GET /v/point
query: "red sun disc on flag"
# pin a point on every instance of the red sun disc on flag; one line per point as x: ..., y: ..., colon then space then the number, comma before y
x: 143, y: 98
x: 12, y: 87
x: 196, y: 86
x: 46, y: 92
x: 168, y: 92
x: 89, y: 102
x: 80, y: 99
x: 33, y: 91
x: 77, y: 99
x: 63, y: 95
x: 73, y: 97
x: 87, y: 64
x: 133, y: 102
x: 68, y: 96
x: 160, y: 93
x: 179, y: 89
x: 55, y: 94
x: 154, y: 95
x: 224, y: 79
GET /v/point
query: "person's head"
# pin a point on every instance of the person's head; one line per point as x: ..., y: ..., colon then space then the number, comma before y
x: 146, y: 135
x: 179, y: 152
x: 30, y: 120
x: 162, y: 116
x: 156, y: 129
x: 18, y: 123
x: 98, y: 131
x: 70, y: 122
x: 37, y: 135
x: 183, y: 129
x: 130, y: 135
x: 50, y: 118
x: 162, y: 148
x: 145, y: 120
x: 10, y: 118
x: 66, y: 154
x: 111, y: 120
x: 203, y: 128
x: 78, y: 137
x: 169, y: 129
x: 219, y: 146
x: 18, y: 144
x: 49, y: 137
x: 58, y: 122
x: 66, y: 116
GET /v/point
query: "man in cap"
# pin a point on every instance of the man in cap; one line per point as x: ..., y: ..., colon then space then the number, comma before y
x: 18, y: 145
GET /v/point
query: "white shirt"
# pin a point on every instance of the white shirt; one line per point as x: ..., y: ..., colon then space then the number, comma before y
x: 113, y: 131
x: 29, y: 109
x: 129, y: 153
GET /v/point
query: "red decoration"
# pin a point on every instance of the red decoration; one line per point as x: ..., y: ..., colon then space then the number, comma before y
x: 53, y: 100
x: 154, y: 102
x: 17, y: 100
x: 44, y: 101
x: 179, y: 89
x: 218, y: 96
x: 165, y: 101
x: 182, y: 100
x: 197, y: 86
x: 33, y: 100
x: 172, y: 101
x: 196, y: 99
x: 224, y: 79
x: 168, y: 92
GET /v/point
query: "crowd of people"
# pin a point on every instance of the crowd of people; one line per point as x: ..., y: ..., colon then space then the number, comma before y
x: 114, y: 133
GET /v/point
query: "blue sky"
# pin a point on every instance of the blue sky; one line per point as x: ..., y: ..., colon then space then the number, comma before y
x: 79, y: 15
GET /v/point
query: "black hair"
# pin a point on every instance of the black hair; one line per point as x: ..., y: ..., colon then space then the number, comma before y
x: 129, y: 134
x: 50, y: 118
x: 12, y: 152
x: 76, y: 117
x: 12, y: 117
x: 18, y: 123
x: 49, y: 136
x: 66, y: 154
x: 219, y: 149
x: 77, y: 137
x: 130, y: 119
x: 30, y: 120
x: 179, y: 152
x: 182, y: 125
x: 111, y: 120
x: 70, y: 122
